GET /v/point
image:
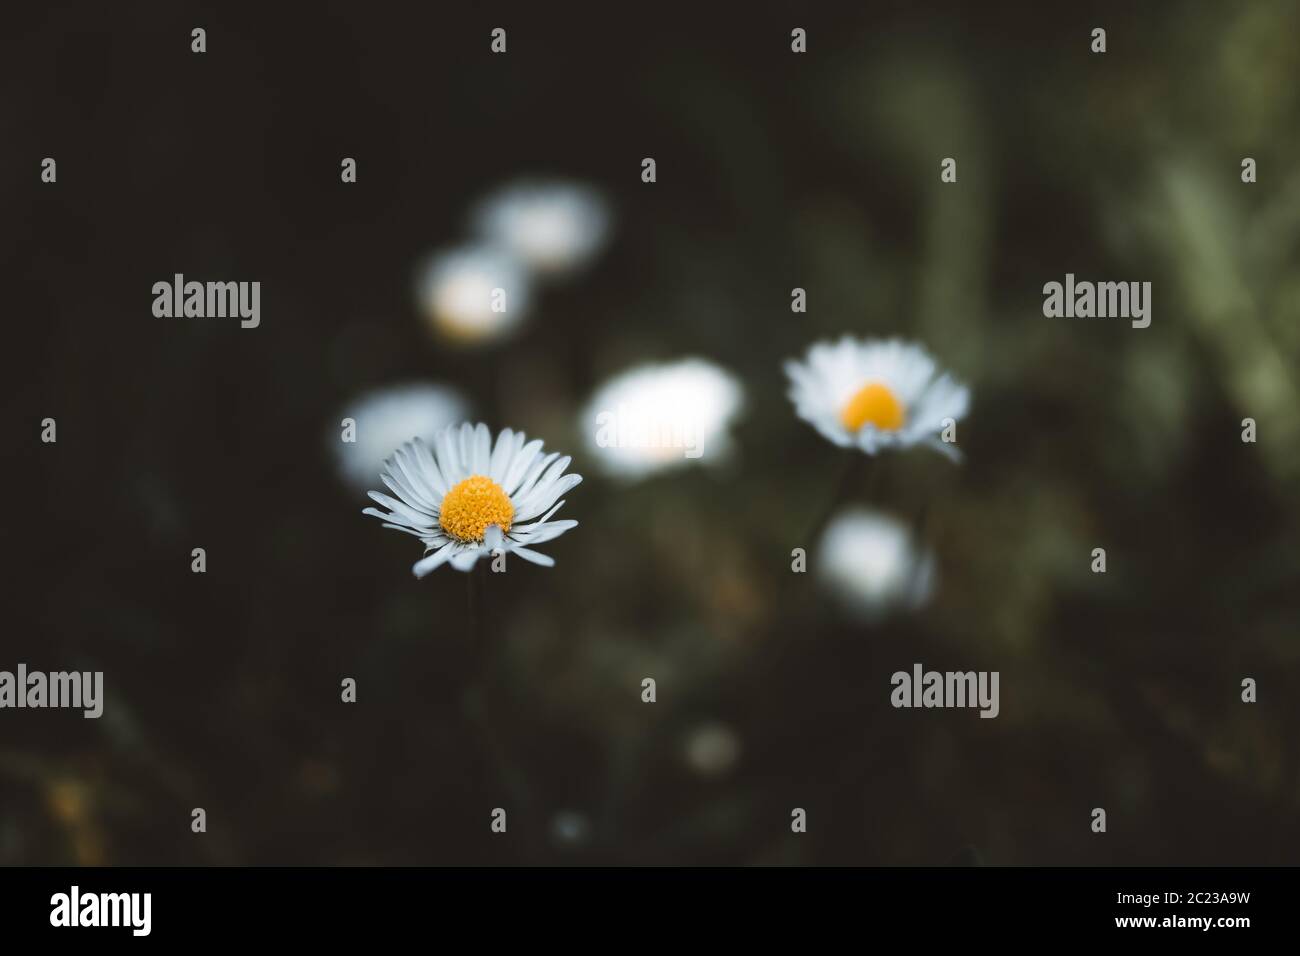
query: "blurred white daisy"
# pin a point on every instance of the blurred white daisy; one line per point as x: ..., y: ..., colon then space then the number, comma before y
x: 873, y: 563
x: 474, y: 294
x: 876, y: 395
x: 389, y: 416
x: 554, y: 227
x: 466, y: 498
x: 655, y: 417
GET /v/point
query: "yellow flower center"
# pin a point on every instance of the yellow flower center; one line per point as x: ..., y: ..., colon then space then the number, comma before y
x: 873, y: 404
x: 472, y: 505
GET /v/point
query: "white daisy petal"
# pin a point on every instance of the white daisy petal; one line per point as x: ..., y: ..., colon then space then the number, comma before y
x: 519, y: 530
x: 505, y: 447
x: 520, y: 465
x: 385, y: 516
x: 465, y: 446
x: 465, y: 559
x: 544, y: 531
x: 517, y: 449
x: 418, y: 532
x: 482, y: 449
x: 536, y: 557
x: 425, y: 462
x: 409, y: 476
x: 530, y: 479
x: 413, y: 516
x: 397, y: 484
x: 544, y: 498
x: 426, y: 565
x: 552, y: 473
x: 447, y: 455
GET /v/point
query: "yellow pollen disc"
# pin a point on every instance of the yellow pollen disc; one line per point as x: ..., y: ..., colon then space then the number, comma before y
x: 874, y: 404
x: 472, y: 505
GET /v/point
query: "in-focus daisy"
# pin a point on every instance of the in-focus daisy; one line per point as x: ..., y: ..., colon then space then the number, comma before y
x: 389, y: 416
x: 876, y: 395
x: 554, y: 227
x: 873, y: 562
x: 656, y: 417
x: 467, y: 498
x: 474, y: 294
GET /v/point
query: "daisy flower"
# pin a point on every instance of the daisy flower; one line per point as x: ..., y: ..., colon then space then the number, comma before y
x: 876, y: 395
x: 554, y: 227
x: 467, y: 498
x: 652, y: 418
x: 873, y: 562
x: 474, y: 294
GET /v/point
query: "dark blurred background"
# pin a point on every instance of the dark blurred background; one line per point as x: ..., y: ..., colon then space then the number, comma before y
x: 775, y: 170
